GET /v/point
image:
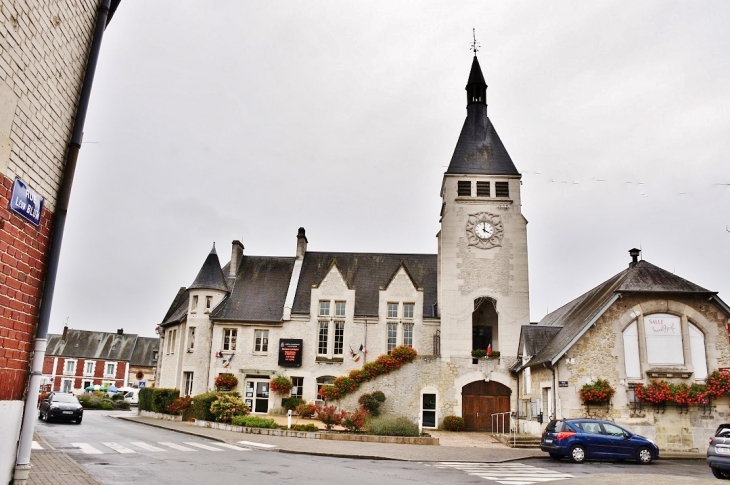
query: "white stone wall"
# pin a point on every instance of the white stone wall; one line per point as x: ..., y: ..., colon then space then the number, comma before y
x: 42, y: 62
x: 468, y: 272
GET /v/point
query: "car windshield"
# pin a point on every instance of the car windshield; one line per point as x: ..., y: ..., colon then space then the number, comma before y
x: 65, y: 398
x: 723, y: 433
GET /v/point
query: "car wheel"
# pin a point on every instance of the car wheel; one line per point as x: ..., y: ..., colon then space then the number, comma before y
x: 78, y: 421
x: 643, y: 456
x: 578, y: 454
x: 40, y: 414
x: 721, y: 474
x: 555, y: 456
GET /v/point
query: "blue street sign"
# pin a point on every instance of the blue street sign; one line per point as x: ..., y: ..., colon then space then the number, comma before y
x: 141, y: 384
x: 26, y: 202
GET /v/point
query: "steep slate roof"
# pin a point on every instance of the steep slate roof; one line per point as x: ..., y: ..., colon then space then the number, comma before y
x: 578, y: 315
x: 259, y: 291
x: 479, y: 149
x: 210, y: 276
x: 366, y: 273
x: 178, y: 310
x: 144, y: 350
x: 534, y: 337
x: 92, y: 345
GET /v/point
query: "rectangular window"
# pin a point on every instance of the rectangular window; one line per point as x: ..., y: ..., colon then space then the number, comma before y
x: 154, y: 355
x: 188, y: 379
x: 463, y: 189
x: 110, y: 369
x: 428, y: 411
x: 297, y: 387
x: 339, y: 337
x: 392, y: 336
x: 261, y: 341
x: 408, y: 334
x: 87, y: 384
x: 482, y: 189
x: 208, y: 303
x: 191, y: 339
x: 340, y: 309
x: 67, y: 385
x: 392, y: 310
x: 89, y: 368
x: 322, y: 342
x: 229, y: 339
x: 171, y: 334
x: 501, y: 189
x: 194, y: 304
x: 69, y: 367
x: 408, y: 310
x: 324, y: 308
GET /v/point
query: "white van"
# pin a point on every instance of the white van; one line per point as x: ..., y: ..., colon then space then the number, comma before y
x: 132, y: 396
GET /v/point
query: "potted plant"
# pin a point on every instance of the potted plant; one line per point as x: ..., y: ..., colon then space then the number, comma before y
x: 280, y: 385
x: 478, y: 353
x: 600, y: 392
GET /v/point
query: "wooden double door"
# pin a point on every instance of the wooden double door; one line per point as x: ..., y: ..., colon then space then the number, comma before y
x: 480, y: 400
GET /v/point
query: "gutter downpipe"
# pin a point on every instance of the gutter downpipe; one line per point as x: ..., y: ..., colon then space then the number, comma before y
x: 22, y: 463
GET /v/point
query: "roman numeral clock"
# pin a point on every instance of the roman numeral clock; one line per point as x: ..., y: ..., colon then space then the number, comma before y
x: 484, y: 230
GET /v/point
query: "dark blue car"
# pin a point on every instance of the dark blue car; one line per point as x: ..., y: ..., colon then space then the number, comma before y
x: 583, y: 439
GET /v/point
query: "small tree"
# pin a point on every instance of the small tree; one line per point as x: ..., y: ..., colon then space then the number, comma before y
x: 226, y: 382
x: 355, y: 420
x: 371, y: 402
x: 330, y: 416
x: 306, y: 410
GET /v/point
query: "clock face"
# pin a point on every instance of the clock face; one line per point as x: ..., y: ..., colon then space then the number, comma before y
x: 483, y: 230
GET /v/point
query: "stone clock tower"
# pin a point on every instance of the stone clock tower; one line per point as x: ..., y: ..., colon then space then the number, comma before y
x: 483, y: 292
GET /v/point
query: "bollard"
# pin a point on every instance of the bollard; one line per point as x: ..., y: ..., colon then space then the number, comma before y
x: 288, y: 419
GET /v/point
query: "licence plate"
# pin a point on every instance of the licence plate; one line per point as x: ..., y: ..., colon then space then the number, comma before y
x: 547, y: 442
x: 68, y: 412
x: 722, y: 450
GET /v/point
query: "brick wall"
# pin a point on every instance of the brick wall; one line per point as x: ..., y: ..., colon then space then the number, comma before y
x: 42, y: 61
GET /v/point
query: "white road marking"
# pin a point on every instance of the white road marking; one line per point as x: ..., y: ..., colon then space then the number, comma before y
x: 119, y: 448
x: 507, y: 473
x: 176, y: 446
x: 35, y: 446
x: 252, y: 443
x: 232, y: 447
x: 146, y: 446
x: 200, y: 445
x: 87, y: 448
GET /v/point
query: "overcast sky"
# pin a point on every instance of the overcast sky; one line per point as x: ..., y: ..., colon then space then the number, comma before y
x: 215, y: 121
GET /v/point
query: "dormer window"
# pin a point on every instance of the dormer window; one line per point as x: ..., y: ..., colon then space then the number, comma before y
x: 463, y: 188
x: 483, y: 189
x: 501, y: 189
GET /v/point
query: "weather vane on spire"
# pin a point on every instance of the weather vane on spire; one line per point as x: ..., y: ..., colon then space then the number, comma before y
x: 474, y: 45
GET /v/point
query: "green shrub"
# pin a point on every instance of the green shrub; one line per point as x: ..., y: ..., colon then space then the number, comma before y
x: 371, y: 402
x: 106, y: 404
x: 291, y: 403
x: 454, y: 423
x: 309, y: 427
x: 161, y: 398
x: 202, y: 402
x: 226, y: 407
x: 145, y: 399
x: 392, y: 426
x: 120, y: 404
x: 118, y: 397
x: 254, y: 422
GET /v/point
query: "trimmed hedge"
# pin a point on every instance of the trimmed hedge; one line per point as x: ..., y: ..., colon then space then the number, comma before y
x: 254, y: 422
x: 202, y: 402
x: 392, y: 426
x: 145, y: 399
x: 157, y: 399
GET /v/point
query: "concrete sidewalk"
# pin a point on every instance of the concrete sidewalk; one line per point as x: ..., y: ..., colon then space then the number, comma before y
x: 53, y: 467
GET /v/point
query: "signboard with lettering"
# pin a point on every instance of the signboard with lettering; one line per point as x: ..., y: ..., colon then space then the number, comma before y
x: 26, y: 202
x: 290, y: 352
x: 663, y: 339
x: 562, y: 383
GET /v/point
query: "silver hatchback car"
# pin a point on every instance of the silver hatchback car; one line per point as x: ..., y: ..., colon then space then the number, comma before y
x: 718, y: 453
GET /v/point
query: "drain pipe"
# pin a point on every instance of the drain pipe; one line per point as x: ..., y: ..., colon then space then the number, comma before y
x: 22, y: 463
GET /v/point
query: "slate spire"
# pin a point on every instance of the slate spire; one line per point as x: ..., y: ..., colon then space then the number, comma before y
x: 210, y: 276
x: 479, y: 149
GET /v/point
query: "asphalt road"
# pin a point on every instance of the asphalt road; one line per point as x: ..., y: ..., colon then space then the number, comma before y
x: 120, y: 452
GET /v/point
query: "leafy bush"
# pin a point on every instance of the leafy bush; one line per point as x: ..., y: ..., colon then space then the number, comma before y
x: 254, y: 422
x: 117, y: 397
x: 355, y: 421
x: 225, y: 382
x: 226, y: 407
x: 280, y: 385
x: 330, y: 416
x: 291, y: 403
x: 106, y: 404
x: 392, y: 426
x: 306, y: 410
x: 454, y: 423
x: 161, y: 398
x: 145, y: 399
x: 181, y: 406
x: 371, y: 402
x: 309, y: 427
x: 91, y: 401
x: 202, y: 402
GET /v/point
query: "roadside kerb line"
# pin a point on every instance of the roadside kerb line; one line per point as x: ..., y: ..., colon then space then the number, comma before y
x: 252, y: 443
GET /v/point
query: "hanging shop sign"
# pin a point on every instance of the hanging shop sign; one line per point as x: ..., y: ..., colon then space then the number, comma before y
x: 26, y: 202
x: 290, y: 352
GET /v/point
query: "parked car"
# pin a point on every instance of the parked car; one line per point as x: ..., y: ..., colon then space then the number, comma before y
x: 718, y: 453
x: 582, y: 439
x: 60, y: 405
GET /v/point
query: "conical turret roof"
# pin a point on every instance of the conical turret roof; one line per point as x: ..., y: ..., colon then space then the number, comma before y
x: 210, y: 276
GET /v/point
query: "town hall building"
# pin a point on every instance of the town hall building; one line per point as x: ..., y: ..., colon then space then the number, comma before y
x: 318, y: 315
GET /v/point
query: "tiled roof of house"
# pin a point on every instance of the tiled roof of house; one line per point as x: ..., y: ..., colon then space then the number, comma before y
x: 92, y: 345
x: 144, y: 351
x: 533, y: 338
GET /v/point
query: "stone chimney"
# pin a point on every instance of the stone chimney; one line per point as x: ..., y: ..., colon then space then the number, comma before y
x: 120, y: 331
x: 634, y: 253
x: 236, y: 255
x: 301, y: 244
x: 65, y: 333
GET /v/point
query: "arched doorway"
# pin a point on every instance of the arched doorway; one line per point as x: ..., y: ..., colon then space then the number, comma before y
x: 484, y: 324
x: 481, y: 399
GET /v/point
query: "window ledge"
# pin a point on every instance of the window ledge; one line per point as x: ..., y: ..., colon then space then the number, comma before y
x: 326, y: 360
x: 678, y: 372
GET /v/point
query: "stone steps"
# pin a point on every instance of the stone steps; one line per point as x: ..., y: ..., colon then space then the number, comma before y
x: 519, y: 441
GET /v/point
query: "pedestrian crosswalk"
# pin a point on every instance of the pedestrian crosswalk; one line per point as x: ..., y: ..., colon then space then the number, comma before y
x: 510, y: 473
x: 134, y: 447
